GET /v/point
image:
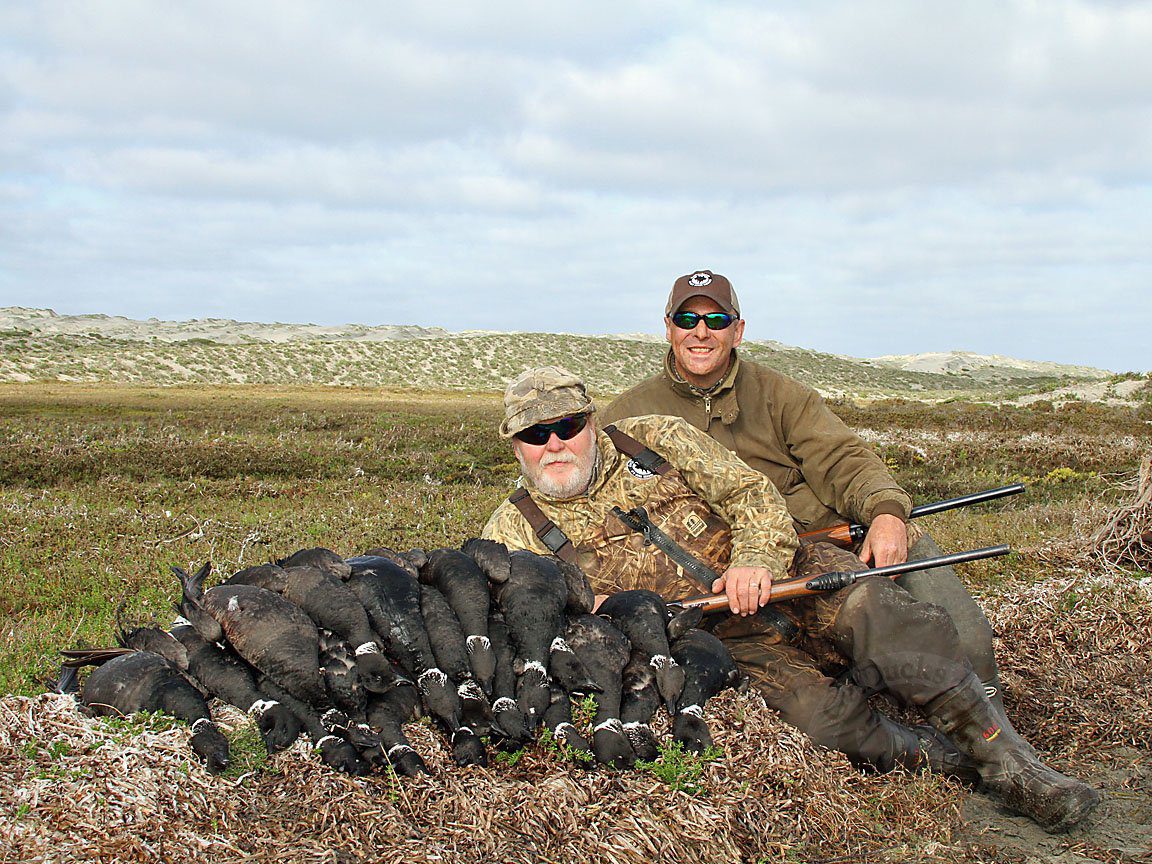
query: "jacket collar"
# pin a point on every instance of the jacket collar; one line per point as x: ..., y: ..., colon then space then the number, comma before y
x: 722, y: 393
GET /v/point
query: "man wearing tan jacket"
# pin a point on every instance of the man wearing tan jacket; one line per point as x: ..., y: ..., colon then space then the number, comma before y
x: 826, y: 474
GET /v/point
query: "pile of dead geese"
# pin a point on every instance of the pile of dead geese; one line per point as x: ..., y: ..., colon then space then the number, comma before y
x: 492, y: 646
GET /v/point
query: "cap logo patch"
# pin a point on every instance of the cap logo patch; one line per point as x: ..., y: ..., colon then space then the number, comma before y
x: 699, y: 280
x: 638, y: 470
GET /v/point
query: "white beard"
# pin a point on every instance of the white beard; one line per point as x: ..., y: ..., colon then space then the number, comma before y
x: 578, y: 481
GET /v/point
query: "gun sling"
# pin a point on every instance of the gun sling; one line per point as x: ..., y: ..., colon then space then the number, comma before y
x: 548, y: 532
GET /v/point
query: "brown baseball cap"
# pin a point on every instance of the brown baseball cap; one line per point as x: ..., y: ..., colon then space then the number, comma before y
x: 542, y: 393
x: 703, y: 283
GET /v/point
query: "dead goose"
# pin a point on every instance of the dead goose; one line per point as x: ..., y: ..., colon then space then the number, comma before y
x: 449, y: 647
x: 411, y: 561
x: 465, y: 587
x: 708, y: 669
x: 509, y: 726
x: 639, y: 701
x: 558, y: 721
x: 272, y: 634
x: 491, y: 557
x: 227, y: 677
x: 335, y: 750
x: 644, y: 618
x: 532, y: 600
x: 324, y: 559
x: 145, y: 681
x: 331, y: 605
x: 391, y: 597
x: 604, y: 651
x: 387, y: 712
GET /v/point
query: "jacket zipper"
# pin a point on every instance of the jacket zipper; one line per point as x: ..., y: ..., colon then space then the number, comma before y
x: 707, y: 411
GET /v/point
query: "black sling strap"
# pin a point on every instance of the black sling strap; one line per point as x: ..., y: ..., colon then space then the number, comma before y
x: 645, y: 457
x: 637, y: 519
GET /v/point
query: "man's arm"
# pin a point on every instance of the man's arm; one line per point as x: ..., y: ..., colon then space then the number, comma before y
x: 843, y: 471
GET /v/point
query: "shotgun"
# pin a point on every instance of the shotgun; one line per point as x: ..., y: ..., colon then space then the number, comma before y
x: 848, y: 534
x: 801, y: 586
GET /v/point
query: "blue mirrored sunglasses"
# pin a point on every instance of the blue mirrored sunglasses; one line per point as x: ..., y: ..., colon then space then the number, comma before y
x: 712, y: 320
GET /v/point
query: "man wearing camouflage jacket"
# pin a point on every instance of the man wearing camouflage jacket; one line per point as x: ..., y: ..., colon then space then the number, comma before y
x: 583, y: 490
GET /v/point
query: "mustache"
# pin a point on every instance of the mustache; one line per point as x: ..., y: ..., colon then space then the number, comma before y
x: 552, y: 458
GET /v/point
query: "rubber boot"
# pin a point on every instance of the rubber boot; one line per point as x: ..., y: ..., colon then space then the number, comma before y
x: 1008, y: 768
x: 994, y: 692
x: 941, y: 756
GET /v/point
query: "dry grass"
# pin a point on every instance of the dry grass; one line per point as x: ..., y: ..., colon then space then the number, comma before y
x: 1125, y: 539
x: 79, y: 790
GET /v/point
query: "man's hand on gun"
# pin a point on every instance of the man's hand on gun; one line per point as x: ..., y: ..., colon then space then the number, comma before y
x: 747, y: 588
x: 886, y: 542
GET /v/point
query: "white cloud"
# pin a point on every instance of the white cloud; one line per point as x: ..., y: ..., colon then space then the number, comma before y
x: 970, y: 176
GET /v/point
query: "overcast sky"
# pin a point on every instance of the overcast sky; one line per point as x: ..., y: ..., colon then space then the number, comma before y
x: 876, y: 177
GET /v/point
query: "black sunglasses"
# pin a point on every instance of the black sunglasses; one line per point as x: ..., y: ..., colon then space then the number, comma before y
x: 565, y: 428
x: 712, y: 320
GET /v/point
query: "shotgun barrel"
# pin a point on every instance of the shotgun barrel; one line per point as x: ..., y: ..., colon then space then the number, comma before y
x: 848, y: 534
x: 790, y: 589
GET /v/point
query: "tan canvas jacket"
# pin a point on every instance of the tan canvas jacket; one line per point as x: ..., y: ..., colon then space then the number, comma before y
x: 783, y: 429
x: 713, y: 505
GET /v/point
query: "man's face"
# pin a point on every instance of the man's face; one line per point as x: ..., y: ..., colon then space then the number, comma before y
x: 702, y: 355
x: 558, y: 468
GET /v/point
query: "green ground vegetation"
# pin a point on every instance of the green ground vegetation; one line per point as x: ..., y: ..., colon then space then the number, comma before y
x: 104, y: 487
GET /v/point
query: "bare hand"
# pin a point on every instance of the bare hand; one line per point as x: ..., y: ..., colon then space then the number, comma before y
x: 886, y: 542
x: 748, y: 588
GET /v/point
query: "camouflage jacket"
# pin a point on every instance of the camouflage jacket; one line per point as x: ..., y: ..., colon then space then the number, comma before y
x: 783, y: 429
x: 712, y: 504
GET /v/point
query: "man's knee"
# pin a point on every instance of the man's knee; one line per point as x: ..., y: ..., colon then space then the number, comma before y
x: 942, y: 587
x: 878, y: 617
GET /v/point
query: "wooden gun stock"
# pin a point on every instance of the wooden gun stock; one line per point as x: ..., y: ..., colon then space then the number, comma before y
x: 790, y: 589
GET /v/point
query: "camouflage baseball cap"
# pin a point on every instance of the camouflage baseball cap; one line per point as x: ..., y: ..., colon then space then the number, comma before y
x: 703, y: 283
x: 542, y: 393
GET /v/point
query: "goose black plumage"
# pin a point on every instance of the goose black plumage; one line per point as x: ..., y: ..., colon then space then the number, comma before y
x: 391, y: 597
x: 604, y: 652
x: 335, y: 750
x: 708, y: 669
x: 558, y: 721
x: 644, y: 618
x: 222, y: 673
x: 639, y: 700
x: 387, y: 712
x: 509, y: 726
x: 145, y: 681
x: 459, y: 578
x: 331, y: 605
x: 532, y: 600
x: 269, y: 632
